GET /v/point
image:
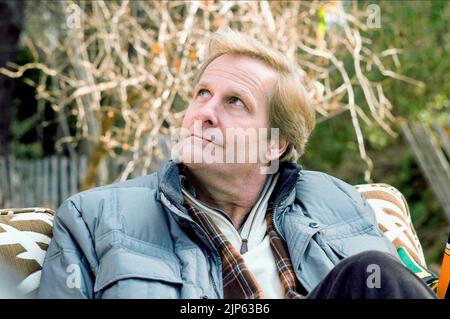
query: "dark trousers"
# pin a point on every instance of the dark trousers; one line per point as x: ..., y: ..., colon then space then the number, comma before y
x: 371, y: 275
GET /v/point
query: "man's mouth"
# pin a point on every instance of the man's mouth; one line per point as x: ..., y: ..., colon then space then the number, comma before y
x: 203, y: 138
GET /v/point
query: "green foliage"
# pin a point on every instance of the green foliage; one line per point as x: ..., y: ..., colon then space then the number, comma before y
x: 32, y: 129
x: 421, y: 28
x: 23, y: 112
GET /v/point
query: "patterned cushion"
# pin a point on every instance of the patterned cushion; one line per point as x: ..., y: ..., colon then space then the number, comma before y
x: 24, y: 237
x: 394, y: 220
x: 393, y: 217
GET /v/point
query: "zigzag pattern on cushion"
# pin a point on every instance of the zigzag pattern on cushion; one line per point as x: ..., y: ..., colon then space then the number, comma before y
x: 24, y: 238
x: 393, y: 217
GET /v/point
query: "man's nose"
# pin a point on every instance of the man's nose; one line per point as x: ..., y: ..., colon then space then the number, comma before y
x: 208, y: 113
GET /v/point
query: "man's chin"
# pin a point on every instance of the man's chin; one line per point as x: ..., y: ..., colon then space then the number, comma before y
x: 240, y: 169
x: 204, y: 165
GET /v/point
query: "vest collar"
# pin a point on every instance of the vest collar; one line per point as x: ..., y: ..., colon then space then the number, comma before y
x: 170, y: 185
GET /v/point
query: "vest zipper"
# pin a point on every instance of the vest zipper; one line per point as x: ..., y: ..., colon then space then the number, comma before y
x: 211, y: 277
x: 176, y: 211
x: 275, y: 226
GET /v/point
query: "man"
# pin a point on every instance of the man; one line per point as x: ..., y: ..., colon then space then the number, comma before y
x: 215, y: 224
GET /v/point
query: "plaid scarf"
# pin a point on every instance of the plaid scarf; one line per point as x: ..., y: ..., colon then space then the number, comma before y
x: 238, y: 281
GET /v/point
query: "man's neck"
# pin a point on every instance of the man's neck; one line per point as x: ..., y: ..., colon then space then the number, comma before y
x: 235, y: 194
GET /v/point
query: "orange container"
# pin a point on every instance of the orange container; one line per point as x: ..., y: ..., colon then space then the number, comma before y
x: 444, y: 278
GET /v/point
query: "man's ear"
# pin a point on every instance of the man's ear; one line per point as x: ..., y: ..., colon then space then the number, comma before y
x: 276, y: 150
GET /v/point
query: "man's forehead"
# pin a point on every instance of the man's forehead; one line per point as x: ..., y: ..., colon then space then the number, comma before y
x: 242, y: 62
x: 240, y: 69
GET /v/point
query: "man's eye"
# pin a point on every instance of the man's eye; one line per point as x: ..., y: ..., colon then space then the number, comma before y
x: 202, y: 92
x: 236, y: 101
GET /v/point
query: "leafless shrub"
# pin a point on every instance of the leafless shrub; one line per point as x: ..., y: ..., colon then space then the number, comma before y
x: 124, y: 69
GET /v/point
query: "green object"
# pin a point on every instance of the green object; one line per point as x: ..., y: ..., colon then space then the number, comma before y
x: 408, y: 261
x: 429, y: 277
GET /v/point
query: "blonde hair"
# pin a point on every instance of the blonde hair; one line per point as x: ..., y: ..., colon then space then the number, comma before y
x: 290, y: 109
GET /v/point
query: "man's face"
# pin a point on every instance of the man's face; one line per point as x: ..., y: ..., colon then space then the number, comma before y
x: 231, y: 95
